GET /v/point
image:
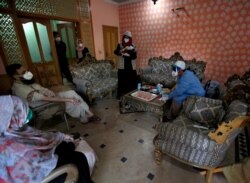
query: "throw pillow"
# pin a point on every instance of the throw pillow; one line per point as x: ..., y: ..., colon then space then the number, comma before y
x: 235, y: 109
x: 206, y: 111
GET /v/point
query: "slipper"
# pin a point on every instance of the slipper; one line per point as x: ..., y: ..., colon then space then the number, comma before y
x: 94, y: 118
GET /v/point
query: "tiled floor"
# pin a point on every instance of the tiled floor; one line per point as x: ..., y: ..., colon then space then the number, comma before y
x: 123, y: 144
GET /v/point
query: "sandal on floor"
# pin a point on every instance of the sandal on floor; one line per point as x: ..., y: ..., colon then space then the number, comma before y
x: 94, y: 118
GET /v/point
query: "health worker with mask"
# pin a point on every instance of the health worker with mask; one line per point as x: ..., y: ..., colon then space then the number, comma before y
x: 81, y: 51
x: 187, y: 84
x: 127, y: 75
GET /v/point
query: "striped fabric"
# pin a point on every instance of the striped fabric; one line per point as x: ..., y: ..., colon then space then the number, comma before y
x: 204, y: 110
x: 184, y: 140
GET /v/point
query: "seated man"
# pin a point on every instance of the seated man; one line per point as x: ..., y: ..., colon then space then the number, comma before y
x: 25, y: 87
x: 28, y: 154
x: 187, y: 84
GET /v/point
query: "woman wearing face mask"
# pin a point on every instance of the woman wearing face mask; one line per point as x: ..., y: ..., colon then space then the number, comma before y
x: 28, y: 154
x: 127, y: 77
x: 81, y: 51
x: 187, y: 84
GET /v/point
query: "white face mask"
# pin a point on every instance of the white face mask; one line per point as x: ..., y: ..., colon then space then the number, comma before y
x: 126, y: 40
x: 80, y: 44
x: 175, y: 73
x: 58, y: 39
x: 28, y: 75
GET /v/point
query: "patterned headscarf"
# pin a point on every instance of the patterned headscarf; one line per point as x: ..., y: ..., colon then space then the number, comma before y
x: 13, y: 113
x: 26, y: 154
x: 128, y: 35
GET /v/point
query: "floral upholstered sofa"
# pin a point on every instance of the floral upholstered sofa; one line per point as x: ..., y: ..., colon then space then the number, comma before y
x: 159, y: 70
x: 202, y: 134
x: 95, y: 79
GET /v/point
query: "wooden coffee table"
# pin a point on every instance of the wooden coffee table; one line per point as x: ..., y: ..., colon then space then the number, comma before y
x: 130, y: 103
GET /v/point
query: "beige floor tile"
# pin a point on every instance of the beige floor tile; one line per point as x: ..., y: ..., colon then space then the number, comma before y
x: 128, y: 137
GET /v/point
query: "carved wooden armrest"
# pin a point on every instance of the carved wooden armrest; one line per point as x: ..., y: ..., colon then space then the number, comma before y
x: 224, y: 129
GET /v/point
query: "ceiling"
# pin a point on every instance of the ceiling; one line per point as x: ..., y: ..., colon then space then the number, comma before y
x: 120, y: 2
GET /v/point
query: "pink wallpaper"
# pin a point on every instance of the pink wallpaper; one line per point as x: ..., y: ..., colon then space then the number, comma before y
x: 217, y: 32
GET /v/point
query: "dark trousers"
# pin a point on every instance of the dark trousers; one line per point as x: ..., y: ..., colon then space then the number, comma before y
x: 66, y: 72
x: 174, y: 110
x: 67, y: 155
x: 127, y: 81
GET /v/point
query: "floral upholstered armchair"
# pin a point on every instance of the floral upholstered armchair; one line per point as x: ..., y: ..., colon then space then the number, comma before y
x: 201, y: 135
x: 95, y: 79
x: 159, y: 70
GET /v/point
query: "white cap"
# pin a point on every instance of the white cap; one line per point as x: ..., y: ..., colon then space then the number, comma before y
x: 128, y: 33
x: 180, y: 64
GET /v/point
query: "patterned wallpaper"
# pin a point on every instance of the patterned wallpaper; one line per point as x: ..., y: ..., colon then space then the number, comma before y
x: 215, y: 31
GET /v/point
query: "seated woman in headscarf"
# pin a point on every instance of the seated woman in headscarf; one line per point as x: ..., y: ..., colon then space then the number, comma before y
x: 29, y: 155
x: 81, y: 51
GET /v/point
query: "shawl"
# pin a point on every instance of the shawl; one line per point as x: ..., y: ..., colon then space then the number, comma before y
x: 26, y: 154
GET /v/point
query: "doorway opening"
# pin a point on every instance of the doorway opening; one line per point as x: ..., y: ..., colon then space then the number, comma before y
x: 39, y: 45
x: 69, y: 32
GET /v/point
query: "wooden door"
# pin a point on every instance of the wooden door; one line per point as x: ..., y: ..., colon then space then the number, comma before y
x: 5, y: 81
x: 39, y: 45
x: 110, y: 40
x: 67, y: 32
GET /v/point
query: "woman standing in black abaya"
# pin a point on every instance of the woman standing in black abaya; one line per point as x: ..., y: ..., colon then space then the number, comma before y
x: 127, y: 77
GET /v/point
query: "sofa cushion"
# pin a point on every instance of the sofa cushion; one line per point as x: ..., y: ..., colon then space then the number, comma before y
x: 152, y: 78
x: 204, y: 110
x: 184, y: 122
x: 105, y: 70
x: 191, y: 137
x: 235, y: 109
x: 166, y: 79
x: 159, y: 66
x: 102, y: 86
x: 86, y: 72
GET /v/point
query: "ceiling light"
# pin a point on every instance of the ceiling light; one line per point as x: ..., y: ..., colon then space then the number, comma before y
x: 154, y: 1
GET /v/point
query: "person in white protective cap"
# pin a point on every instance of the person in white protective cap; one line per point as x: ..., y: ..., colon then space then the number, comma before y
x: 127, y: 76
x: 187, y: 84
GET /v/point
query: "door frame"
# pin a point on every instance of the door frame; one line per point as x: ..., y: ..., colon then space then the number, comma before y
x: 71, y: 59
x: 29, y: 64
x: 117, y: 41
